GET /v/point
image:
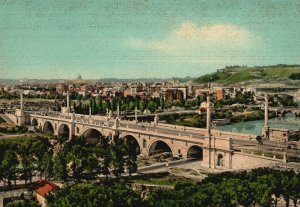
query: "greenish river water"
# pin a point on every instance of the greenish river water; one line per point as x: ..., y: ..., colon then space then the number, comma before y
x: 255, y: 127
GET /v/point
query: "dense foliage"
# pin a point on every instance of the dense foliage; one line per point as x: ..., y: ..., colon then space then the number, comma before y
x: 238, y: 74
x: 262, y: 187
x: 128, y: 104
x: 239, y: 98
x: 79, y: 160
x: 98, y: 195
x: 295, y: 76
x: 285, y: 100
x: 23, y: 203
x: 13, y: 130
x: 21, y: 159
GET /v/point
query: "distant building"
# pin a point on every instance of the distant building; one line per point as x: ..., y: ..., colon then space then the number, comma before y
x: 219, y: 93
x: 173, y: 94
x: 60, y: 88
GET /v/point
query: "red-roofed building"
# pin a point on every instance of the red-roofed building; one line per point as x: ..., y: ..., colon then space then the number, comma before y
x: 43, y: 187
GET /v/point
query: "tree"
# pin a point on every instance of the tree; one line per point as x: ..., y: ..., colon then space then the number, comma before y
x: 287, y: 183
x: 142, y: 105
x: 131, y: 156
x: 27, y: 161
x: 60, y: 166
x: 118, y: 155
x: 111, y: 195
x: 41, y: 150
x: 151, y: 106
x: 295, y: 188
x: 76, y: 157
x: 48, y: 166
x: 23, y: 203
x: 9, y: 165
x: 92, y: 169
x: 104, y: 152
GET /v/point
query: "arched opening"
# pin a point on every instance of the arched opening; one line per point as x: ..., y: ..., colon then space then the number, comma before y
x: 64, y: 131
x: 133, y: 143
x: 34, y: 122
x: 91, y: 136
x: 195, y: 152
x: 287, y: 113
x: 160, y: 147
x: 48, y: 127
x: 220, y: 160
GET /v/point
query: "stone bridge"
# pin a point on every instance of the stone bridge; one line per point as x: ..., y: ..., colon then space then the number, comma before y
x: 281, y: 111
x: 149, y: 138
x: 214, y: 147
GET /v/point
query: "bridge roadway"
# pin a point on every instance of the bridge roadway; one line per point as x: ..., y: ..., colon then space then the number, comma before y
x: 162, y: 113
x: 268, y: 146
x: 178, y: 132
x: 146, y: 127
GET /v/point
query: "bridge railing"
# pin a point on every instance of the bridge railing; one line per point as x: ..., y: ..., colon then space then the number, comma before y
x: 150, y: 128
x: 233, y: 135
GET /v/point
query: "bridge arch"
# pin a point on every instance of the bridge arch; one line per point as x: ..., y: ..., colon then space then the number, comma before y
x: 134, y: 141
x: 285, y: 112
x: 48, y: 127
x: 64, y: 131
x: 91, y: 135
x: 159, y: 146
x: 195, y: 151
x: 34, y: 122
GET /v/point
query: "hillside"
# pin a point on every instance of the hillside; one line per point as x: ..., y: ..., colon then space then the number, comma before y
x: 247, y: 75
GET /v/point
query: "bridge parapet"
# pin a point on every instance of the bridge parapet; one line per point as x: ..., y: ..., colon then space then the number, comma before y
x: 157, y: 134
x: 233, y: 135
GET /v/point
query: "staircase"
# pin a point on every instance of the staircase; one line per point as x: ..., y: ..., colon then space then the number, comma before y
x: 6, y: 118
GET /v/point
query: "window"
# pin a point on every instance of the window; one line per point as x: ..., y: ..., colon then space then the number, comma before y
x: 220, y: 160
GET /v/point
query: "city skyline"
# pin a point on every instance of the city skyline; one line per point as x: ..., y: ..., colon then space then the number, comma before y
x: 148, y: 39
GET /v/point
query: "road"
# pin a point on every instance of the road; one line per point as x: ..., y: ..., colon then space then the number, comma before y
x: 165, y: 166
x: 268, y: 146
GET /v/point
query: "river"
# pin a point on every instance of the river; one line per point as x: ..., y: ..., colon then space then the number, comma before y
x: 255, y: 127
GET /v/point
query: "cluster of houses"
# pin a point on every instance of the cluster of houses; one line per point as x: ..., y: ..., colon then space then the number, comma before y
x: 168, y: 90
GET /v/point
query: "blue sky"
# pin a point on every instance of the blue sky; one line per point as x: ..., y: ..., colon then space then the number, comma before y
x: 144, y: 39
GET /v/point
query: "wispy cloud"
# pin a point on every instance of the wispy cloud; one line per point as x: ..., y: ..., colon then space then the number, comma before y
x: 207, y: 43
x: 217, y: 33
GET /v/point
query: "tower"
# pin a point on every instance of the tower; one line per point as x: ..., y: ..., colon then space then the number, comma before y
x: 66, y: 109
x: 118, y: 112
x: 135, y: 115
x: 266, y: 130
x: 20, y: 112
x: 68, y: 100
x: 208, y: 152
x: 90, y: 114
x: 208, y: 116
x: 266, y: 111
x: 156, y: 119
